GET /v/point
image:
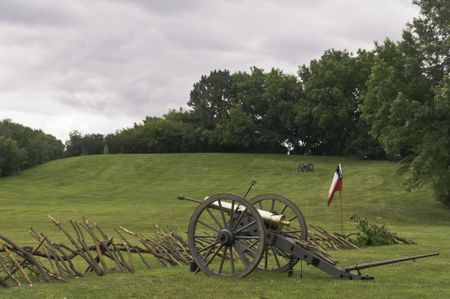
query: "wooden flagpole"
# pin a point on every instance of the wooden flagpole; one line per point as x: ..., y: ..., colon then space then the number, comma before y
x: 342, y: 221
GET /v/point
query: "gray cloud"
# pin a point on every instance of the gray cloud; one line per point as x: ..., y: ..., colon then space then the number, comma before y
x: 101, y: 65
x: 37, y: 12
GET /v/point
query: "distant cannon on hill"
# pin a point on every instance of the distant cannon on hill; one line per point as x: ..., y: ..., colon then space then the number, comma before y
x: 309, y: 167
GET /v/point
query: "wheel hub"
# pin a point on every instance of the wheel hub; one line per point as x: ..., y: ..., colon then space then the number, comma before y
x: 226, y: 237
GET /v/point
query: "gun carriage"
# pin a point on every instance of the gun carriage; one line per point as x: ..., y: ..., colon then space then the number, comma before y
x: 231, y: 237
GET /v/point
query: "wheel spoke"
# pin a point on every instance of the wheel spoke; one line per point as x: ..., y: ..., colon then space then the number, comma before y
x: 275, y: 255
x: 247, y: 237
x: 284, y: 209
x: 266, y: 256
x: 205, y: 236
x: 241, y: 255
x: 222, y: 260
x: 232, y: 260
x: 208, y: 246
x: 260, y: 205
x: 292, y: 218
x: 273, y: 205
x: 245, y: 226
x: 214, y: 255
x: 239, y: 219
x: 204, y: 258
x: 253, y: 245
x: 221, y: 212
x: 207, y: 225
x: 213, y: 217
x: 247, y: 248
x: 231, y: 213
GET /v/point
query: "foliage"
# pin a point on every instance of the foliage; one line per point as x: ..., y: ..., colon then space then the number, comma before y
x: 266, y: 112
x: 236, y: 132
x: 23, y: 147
x: 11, y: 157
x: 89, y: 144
x: 268, y: 100
x: 429, y: 36
x: 74, y: 144
x: 329, y: 114
x: 372, y: 234
x: 93, y: 144
x: 211, y: 98
x: 174, y: 132
x: 407, y: 101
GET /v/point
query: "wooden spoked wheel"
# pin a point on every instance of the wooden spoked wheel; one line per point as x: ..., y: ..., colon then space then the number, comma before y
x: 273, y: 259
x: 226, y: 236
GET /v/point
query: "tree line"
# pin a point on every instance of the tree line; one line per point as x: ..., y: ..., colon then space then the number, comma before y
x: 22, y: 147
x: 314, y: 112
x: 391, y: 102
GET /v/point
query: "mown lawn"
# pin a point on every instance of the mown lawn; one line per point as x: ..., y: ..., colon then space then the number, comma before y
x: 139, y: 191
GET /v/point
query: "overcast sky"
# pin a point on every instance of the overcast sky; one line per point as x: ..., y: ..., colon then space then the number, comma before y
x: 101, y: 65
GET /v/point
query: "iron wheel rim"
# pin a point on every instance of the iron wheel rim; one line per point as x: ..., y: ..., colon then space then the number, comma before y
x: 224, y: 253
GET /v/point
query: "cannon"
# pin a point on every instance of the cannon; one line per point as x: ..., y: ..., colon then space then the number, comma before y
x: 229, y: 236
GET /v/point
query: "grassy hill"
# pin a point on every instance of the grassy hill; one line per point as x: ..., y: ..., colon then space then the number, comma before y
x: 139, y: 191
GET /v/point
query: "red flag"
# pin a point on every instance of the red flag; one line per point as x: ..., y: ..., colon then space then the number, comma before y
x: 337, y: 184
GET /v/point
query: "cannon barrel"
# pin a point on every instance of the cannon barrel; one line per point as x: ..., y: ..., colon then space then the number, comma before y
x: 387, y: 262
x: 226, y: 207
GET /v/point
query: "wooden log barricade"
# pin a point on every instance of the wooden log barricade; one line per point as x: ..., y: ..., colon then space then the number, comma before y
x: 86, y: 244
x: 89, y: 249
x: 327, y: 241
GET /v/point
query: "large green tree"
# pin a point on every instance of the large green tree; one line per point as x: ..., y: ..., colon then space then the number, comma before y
x: 407, y: 103
x: 329, y: 114
x: 246, y: 111
x: 212, y: 98
x: 269, y: 100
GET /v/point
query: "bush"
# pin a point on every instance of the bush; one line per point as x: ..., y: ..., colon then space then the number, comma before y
x: 371, y: 234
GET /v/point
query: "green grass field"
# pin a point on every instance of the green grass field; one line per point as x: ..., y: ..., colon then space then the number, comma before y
x: 139, y: 191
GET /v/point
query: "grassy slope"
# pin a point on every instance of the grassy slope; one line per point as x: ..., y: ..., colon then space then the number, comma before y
x: 139, y: 191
